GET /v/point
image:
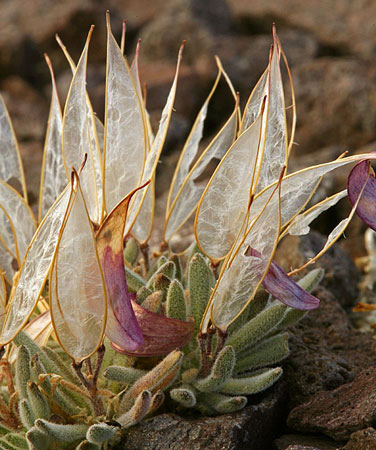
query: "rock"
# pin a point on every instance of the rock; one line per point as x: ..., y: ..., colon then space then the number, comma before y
x: 341, y: 275
x: 335, y: 103
x: 254, y: 427
x: 363, y: 439
x: 326, y: 351
x: 344, y: 26
x: 341, y: 412
x: 304, y: 442
x: 246, y: 57
x: 28, y: 110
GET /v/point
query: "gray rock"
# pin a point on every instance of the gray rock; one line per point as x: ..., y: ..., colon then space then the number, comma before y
x: 341, y: 412
x: 254, y: 427
x: 304, y: 442
x: 363, y: 439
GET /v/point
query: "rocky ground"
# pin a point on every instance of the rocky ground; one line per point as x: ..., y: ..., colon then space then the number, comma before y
x: 327, y: 398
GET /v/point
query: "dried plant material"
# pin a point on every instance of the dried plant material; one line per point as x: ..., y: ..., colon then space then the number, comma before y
x: 78, y: 300
x: 11, y: 168
x: 224, y: 203
x: 185, y: 192
x: 34, y: 269
x: 300, y: 225
x: 77, y: 142
x: 122, y: 326
x: 151, y: 164
x: 53, y: 176
x: 125, y: 134
x: 244, y: 270
x: 17, y: 226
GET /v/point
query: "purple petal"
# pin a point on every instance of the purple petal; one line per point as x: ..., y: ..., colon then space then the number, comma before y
x: 123, y: 327
x: 357, y: 179
x: 284, y: 288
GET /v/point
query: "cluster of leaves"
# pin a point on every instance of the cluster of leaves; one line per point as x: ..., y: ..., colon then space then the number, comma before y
x: 209, y: 332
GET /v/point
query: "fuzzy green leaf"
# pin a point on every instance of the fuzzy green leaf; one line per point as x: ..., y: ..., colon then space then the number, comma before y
x: 26, y: 413
x: 100, y: 433
x: 126, y: 375
x: 258, y: 327
x: 184, y: 395
x: 22, y: 371
x: 61, y: 433
x: 134, y: 281
x: 131, y: 251
x: 17, y: 440
x: 142, y: 294
x: 176, y: 304
x: 268, y: 352
x: 153, y: 301
x: 199, y: 286
x: 37, y: 439
x: 224, y: 404
x: 38, y: 402
x: 220, y: 373
x: 253, y: 384
x: 138, y: 411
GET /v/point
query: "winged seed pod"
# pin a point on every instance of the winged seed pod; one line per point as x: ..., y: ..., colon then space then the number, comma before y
x: 207, y: 327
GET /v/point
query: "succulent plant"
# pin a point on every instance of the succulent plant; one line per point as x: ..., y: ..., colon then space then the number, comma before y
x: 96, y: 328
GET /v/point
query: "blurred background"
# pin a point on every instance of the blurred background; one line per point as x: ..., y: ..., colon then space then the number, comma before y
x: 330, y: 46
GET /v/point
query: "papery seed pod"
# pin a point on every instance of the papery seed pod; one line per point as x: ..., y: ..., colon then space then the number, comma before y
x: 126, y: 375
x: 38, y: 402
x: 254, y: 330
x: 138, y: 411
x: 221, y: 371
x: 260, y: 381
x: 153, y: 301
x: 142, y: 294
x: 176, y: 305
x: 17, y: 440
x: 184, y: 395
x: 100, y: 433
x: 199, y: 286
x: 159, y: 378
x: 61, y: 433
x: 26, y: 413
x: 37, y: 439
x: 268, y: 352
x: 22, y: 371
x: 131, y: 251
x: 224, y: 404
x: 178, y: 268
x: 134, y: 281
